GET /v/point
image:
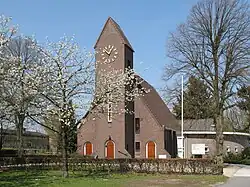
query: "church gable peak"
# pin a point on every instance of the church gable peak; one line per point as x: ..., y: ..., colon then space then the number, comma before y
x: 111, y: 26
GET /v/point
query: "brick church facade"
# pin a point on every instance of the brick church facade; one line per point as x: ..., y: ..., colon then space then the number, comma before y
x: 150, y: 132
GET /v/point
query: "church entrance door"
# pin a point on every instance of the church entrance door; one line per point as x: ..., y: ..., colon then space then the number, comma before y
x: 110, y: 149
x: 151, y: 150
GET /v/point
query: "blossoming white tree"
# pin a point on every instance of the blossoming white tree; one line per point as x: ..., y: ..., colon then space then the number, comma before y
x: 23, y: 79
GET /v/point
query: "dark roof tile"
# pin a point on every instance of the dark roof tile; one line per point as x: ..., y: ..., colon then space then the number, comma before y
x: 198, y: 124
x: 158, y: 107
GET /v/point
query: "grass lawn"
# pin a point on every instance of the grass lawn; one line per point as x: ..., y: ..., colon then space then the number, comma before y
x: 54, y: 179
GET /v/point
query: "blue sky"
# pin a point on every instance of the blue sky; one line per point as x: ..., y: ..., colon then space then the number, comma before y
x: 146, y: 24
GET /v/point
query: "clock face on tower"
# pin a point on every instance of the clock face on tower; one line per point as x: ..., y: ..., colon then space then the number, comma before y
x: 109, y: 54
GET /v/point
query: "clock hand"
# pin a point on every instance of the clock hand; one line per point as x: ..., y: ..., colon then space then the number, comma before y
x: 104, y: 50
x: 110, y: 50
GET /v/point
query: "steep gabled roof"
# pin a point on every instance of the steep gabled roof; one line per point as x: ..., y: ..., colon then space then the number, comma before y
x: 158, y: 107
x: 119, y: 31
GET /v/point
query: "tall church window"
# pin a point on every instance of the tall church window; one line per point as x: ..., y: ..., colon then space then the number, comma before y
x: 137, y: 125
x: 109, y: 108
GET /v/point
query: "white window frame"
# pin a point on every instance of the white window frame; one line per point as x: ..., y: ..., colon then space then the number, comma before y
x: 109, y: 108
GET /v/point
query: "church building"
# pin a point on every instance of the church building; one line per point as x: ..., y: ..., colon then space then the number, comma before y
x: 150, y: 132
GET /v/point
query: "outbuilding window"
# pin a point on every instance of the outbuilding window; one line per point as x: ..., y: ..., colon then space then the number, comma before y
x: 236, y: 149
x: 206, y: 149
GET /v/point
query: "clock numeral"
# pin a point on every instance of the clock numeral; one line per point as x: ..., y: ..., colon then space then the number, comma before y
x: 115, y: 56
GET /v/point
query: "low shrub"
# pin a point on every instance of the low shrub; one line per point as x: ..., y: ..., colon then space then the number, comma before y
x: 181, y: 166
x: 245, y: 161
x: 246, y: 153
x: 240, y: 158
x: 8, y: 153
x: 233, y: 158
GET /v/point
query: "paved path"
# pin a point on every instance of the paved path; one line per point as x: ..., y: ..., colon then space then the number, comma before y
x: 239, y: 176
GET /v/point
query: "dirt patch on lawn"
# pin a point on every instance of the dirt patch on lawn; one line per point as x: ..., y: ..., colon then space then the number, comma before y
x: 164, y: 183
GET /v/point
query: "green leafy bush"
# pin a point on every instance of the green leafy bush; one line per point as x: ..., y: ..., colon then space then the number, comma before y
x: 233, y: 158
x: 246, y: 153
x: 245, y: 162
x: 240, y: 158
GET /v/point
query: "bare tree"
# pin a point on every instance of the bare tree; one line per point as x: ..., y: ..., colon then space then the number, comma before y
x: 213, y: 44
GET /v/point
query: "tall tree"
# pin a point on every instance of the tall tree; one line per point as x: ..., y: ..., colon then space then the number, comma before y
x: 22, y: 70
x: 197, y: 101
x: 213, y: 45
x: 7, y: 31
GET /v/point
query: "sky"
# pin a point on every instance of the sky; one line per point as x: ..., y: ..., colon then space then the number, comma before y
x: 146, y: 24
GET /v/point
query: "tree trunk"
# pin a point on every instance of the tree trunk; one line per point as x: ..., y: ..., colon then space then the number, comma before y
x: 19, y: 129
x: 20, y: 141
x: 64, y: 154
x: 219, y: 141
x: 1, y: 136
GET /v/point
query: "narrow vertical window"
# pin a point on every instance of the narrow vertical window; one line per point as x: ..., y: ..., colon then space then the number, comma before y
x: 137, y: 125
x: 137, y: 146
x: 109, y: 108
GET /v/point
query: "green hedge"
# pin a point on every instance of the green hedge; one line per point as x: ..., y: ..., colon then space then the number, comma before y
x: 181, y: 166
x: 240, y: 158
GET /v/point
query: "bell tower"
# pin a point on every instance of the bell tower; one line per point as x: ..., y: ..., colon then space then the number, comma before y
x: 114, y: 52
x: 113, y: 48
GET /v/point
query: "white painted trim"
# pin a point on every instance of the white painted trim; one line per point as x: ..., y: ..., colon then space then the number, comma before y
x: 109, y: 108
x: 147, y: 148
x: 106, y: 148
x: 212, y: 132
x: 84, y: 147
